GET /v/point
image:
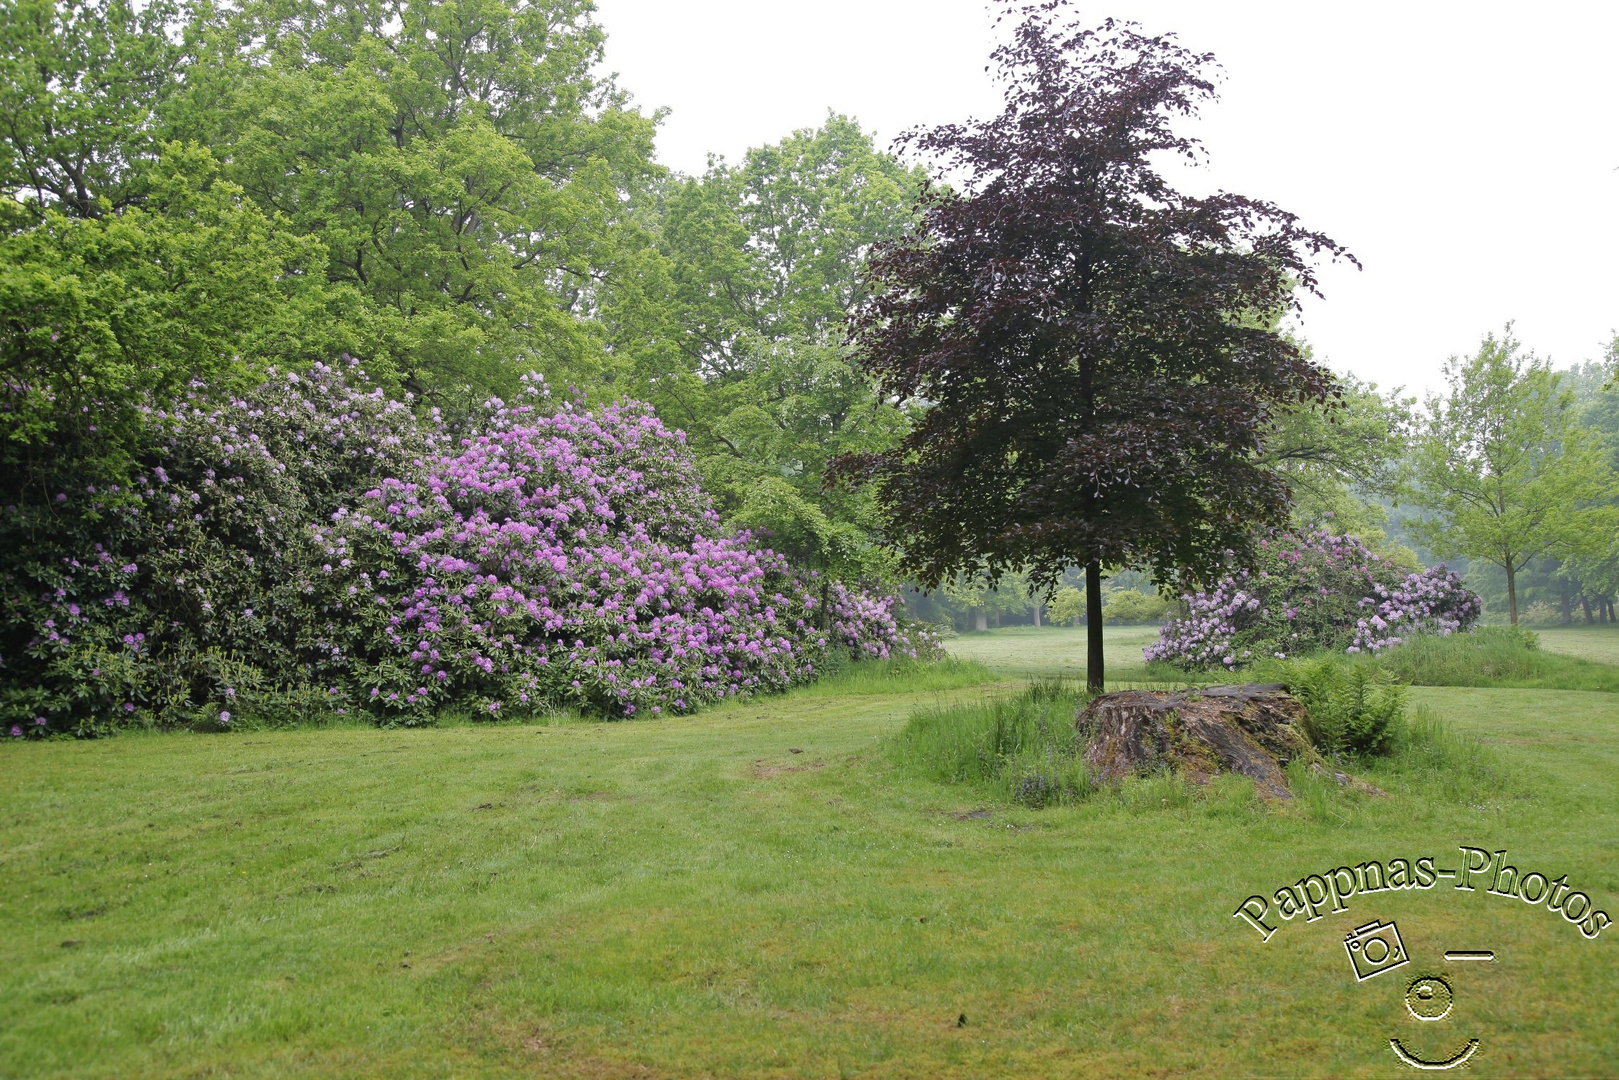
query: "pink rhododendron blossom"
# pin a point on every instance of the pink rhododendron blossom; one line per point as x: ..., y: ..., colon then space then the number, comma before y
x: 1314, y: 591
x: 396, y: 562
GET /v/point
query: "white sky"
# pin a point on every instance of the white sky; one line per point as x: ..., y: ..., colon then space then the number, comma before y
x: 1467, y: 153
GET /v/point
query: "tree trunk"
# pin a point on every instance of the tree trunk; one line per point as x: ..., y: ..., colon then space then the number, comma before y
x: 1585, y: 602
x: 1037, y: 606
x: 980, y: 621
x: 1093, y: 626
x: 1568, y: 610
x: 1512, y: 592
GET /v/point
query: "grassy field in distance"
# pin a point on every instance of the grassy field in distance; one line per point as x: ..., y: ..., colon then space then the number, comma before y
x: 1599, y: 643
x: 1051, y: 651
x: 1047, y: 651
x: 756, y: 891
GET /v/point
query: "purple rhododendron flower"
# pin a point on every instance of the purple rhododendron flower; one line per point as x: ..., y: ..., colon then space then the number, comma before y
x: 527, y: 554
x: 1313, y: 591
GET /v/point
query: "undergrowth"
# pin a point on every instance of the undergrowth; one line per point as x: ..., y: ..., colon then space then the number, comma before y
x: 1431, y: 755
x: 1022, y: 747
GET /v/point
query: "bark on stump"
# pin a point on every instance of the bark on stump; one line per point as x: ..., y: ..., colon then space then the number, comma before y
x: 1255, y: 730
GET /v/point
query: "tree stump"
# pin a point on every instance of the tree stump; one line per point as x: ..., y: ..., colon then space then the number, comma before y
x: 1255, y: 730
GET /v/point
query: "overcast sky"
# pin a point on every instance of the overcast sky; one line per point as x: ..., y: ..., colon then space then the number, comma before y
x: 1467, y: 153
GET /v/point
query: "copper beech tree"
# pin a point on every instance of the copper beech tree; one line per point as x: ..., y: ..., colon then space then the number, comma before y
x: 1095, y: 354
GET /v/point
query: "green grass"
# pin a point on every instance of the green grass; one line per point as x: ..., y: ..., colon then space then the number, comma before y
x: 1055, y: 651
x: 901, y: 677
x: 1022, y: 748
x: 689, y: 897
x: 1598, y: 643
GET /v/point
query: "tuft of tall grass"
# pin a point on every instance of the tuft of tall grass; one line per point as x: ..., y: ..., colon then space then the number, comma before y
x: 1022, y: 747
x: 1426, y: 756
x: 1430, y: 755
x: 1491, y: 656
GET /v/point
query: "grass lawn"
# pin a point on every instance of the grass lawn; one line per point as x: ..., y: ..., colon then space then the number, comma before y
x: 1055, y: 650
x: 755, y: 891
x: 1599, y: 643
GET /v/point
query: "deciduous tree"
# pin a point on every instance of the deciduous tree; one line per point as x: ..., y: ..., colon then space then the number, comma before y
x: 1338, y: 462
x: 744, y: 349
x: 1093, y: 347
x: 468, y: 169
x: 1506, y: 471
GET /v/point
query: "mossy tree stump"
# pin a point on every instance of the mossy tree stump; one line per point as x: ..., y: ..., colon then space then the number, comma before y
x: 1254, y: 730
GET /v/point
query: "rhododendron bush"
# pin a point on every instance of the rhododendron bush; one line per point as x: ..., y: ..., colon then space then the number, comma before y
x: 316, y: 547
x: 1312, y: 592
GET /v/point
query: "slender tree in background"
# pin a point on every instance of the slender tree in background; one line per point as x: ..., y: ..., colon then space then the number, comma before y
x: 1094, y: 349
x: 1507, y: 472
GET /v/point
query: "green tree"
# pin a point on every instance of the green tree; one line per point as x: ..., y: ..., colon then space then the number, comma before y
x: 980, y: 599
x: 472, y: 183
x: 1119, y: 605
x: 1506, y: 471
x: 1339, y: 462
x: 100, y: 314
x: 761, y: 264
x: 81, y: 84
x: 467, y: 170
x: 1068, y: 606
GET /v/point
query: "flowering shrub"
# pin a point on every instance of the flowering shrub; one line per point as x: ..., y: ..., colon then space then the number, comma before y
x: 1313, y: 592
x: 316, y: 546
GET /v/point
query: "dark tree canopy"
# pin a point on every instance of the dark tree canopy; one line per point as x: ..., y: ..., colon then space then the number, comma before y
x: 1096, y: 350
